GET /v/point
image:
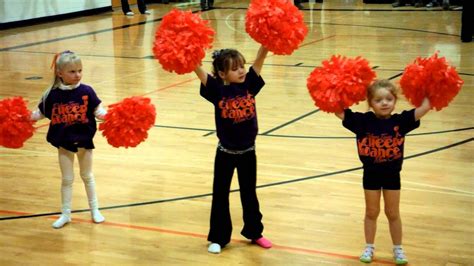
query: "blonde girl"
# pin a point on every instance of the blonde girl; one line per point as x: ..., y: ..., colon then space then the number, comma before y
x: 71, y: 108
x: 380, y: 139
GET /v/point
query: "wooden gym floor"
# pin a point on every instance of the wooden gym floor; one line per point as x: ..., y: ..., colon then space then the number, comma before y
x: 156, y: 197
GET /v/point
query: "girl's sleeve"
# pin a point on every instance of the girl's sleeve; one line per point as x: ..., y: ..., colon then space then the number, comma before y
x: 408, y: 122
x: 209, y: 92
x: 94, y: 100
x: 353, y: 121
x: 254, y: 82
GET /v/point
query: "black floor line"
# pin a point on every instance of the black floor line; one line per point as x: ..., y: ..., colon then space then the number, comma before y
x: 235, y: 190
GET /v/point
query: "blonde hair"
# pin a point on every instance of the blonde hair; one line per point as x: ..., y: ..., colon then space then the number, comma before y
x: 381, y: 84
x: 60, y: 61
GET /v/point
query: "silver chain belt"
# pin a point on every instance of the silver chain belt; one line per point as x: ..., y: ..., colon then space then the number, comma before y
x: 236, y: 152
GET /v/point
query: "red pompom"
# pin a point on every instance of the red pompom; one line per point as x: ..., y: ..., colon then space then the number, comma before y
x: 181, y: 41
x: 127, y: 122
x: 16, y: 125
x: 276, y: 24
x: 340, y: 83
x: 433, y: 78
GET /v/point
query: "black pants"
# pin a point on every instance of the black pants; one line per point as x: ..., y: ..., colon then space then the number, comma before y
x: 126, y: 6
x: 221, y: 224
x: 207, y: 4
x: 467, y: 28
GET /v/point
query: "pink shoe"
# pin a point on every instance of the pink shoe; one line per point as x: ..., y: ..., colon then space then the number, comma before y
x: 263, y: 242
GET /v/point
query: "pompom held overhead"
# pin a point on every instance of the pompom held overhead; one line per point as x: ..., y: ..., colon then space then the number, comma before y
x: 339, y: 83
x: 433, y: 78
x: 16, y: 125
x: 276, y: 24
x: 181, y: 41
x: 126, y: 123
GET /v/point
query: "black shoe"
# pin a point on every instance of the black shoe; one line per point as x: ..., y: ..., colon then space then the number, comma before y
x: 432, y: 4
x: 396, y: 4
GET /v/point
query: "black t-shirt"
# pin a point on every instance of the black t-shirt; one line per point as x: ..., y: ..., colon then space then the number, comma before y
x: 72, y: 115
x: 235, y: 110
x: 380, y: 141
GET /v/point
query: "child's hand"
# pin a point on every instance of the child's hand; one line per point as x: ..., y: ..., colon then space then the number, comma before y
x: 201, y: 74
x: 426, y: 101
x: 423, y: 109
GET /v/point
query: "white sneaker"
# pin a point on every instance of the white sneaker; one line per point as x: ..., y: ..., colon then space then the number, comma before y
x: 130, y: 13
x: 399, y: 256
x: 367, y: 255
x: 214, y: 248
x: 147, y: 12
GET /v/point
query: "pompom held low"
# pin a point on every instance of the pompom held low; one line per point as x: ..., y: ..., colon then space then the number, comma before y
x: 127, y: 122
x: 16, y: 125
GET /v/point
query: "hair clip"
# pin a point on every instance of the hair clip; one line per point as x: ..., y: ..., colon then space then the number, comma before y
x: 56, y: 56
x: 216, y: 53
x: 53, y: 63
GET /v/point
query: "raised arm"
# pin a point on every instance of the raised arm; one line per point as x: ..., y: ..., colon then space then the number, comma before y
x: 423, y: 109
x: 340, y: 115
x: 201, y: 74
x: 258, y: 63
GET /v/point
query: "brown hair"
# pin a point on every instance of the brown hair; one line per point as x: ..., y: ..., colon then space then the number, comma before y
x: 379, y: 84
x: 225, y: 60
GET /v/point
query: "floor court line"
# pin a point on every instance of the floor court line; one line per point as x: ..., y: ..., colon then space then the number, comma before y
x: 203, y: 236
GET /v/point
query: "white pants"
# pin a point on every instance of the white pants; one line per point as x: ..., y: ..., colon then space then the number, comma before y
x: 66, y: 163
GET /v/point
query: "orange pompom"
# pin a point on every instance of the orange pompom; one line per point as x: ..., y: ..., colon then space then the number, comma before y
x: 433, y: 78
x: 181, y: 41
x: 126, y: 123
x: 340, y: 83
x: 16, y: 125
x: 276, y: 24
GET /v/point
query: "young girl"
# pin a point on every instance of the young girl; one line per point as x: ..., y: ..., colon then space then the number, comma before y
x: 232, y: 92
x: 380, y: 138
x: 72, y: 108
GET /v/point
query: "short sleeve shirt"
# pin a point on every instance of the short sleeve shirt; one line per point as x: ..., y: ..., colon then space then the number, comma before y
x: 235, y: 110
x: 71, y: 114
x: 380, y: 142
